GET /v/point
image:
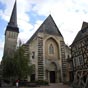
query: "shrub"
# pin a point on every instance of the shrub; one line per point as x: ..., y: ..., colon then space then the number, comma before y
x: 42, y: 82
x: 6, y: 81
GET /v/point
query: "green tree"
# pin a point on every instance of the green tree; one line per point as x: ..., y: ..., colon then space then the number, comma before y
x: 8, y: 66
x: 17, y: 67
x: 22, y: 64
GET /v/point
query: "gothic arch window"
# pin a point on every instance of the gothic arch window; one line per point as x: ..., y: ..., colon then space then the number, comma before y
x: 51, y: 49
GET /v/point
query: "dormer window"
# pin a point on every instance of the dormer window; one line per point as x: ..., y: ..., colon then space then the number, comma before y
x: 51, y: 49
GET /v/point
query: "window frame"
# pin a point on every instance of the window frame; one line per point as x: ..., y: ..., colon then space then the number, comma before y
x: 51, y: 49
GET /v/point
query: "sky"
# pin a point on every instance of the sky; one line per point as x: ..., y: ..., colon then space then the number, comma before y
x: 67, y: 14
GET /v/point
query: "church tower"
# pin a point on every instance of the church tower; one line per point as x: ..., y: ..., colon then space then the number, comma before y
x: 11, y: 33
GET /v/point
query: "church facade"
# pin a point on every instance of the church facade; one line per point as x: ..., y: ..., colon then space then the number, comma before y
x: 46, y: 49
x: 47, y: 52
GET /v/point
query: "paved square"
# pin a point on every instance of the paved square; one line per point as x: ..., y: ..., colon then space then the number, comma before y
x: 55, y: 85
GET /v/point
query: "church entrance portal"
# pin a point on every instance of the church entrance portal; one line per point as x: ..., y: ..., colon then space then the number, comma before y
x: 52, y: 76
x: 32, y: 77
x: 51, y: 73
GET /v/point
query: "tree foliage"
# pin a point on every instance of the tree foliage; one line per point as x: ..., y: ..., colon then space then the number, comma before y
x: 17, y: 67
x: 8, y: 67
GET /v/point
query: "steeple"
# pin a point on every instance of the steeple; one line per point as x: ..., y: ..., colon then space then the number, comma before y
x: 11, y: 34
x: 12, y: 25
x: 13, y: 19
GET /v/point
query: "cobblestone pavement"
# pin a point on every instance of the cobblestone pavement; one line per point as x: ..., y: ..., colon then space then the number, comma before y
x: 55, y: 85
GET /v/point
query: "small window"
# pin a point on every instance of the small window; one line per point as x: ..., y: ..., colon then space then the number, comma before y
x: 33, y: 55
x: 51, y: 49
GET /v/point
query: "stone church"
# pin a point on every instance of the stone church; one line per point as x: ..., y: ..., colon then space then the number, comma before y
x: 46, y: 49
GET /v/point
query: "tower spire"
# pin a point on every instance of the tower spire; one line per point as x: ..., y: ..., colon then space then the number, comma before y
x: 13, y: 19
x: 11, y: 34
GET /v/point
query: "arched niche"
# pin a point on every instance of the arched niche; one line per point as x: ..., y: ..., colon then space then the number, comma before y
x: 51, y: 49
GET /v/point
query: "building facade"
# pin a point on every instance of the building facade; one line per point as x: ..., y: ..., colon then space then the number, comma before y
x: 68, y: 64
x: 46, y: 49
x: 79, y: 51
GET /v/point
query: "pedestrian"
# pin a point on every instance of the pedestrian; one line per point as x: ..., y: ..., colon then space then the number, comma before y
x: 17, y: 83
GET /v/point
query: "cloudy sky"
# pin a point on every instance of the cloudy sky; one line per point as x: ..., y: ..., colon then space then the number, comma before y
x: 67, y: 14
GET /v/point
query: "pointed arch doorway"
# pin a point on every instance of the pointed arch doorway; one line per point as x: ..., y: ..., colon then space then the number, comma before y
x: 52, y: 76
x: 52, y: 72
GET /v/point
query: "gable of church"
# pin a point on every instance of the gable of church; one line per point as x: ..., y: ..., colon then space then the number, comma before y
x: 48, y: 27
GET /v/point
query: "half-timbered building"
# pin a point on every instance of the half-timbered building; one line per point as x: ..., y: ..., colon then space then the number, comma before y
x: 79, y: 52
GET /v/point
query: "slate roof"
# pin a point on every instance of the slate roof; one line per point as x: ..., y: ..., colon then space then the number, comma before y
x: 82, y: 33
x: 13, y: 29
x: 49, y: 27
x: 12, y: 25
x: 13, y: 18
